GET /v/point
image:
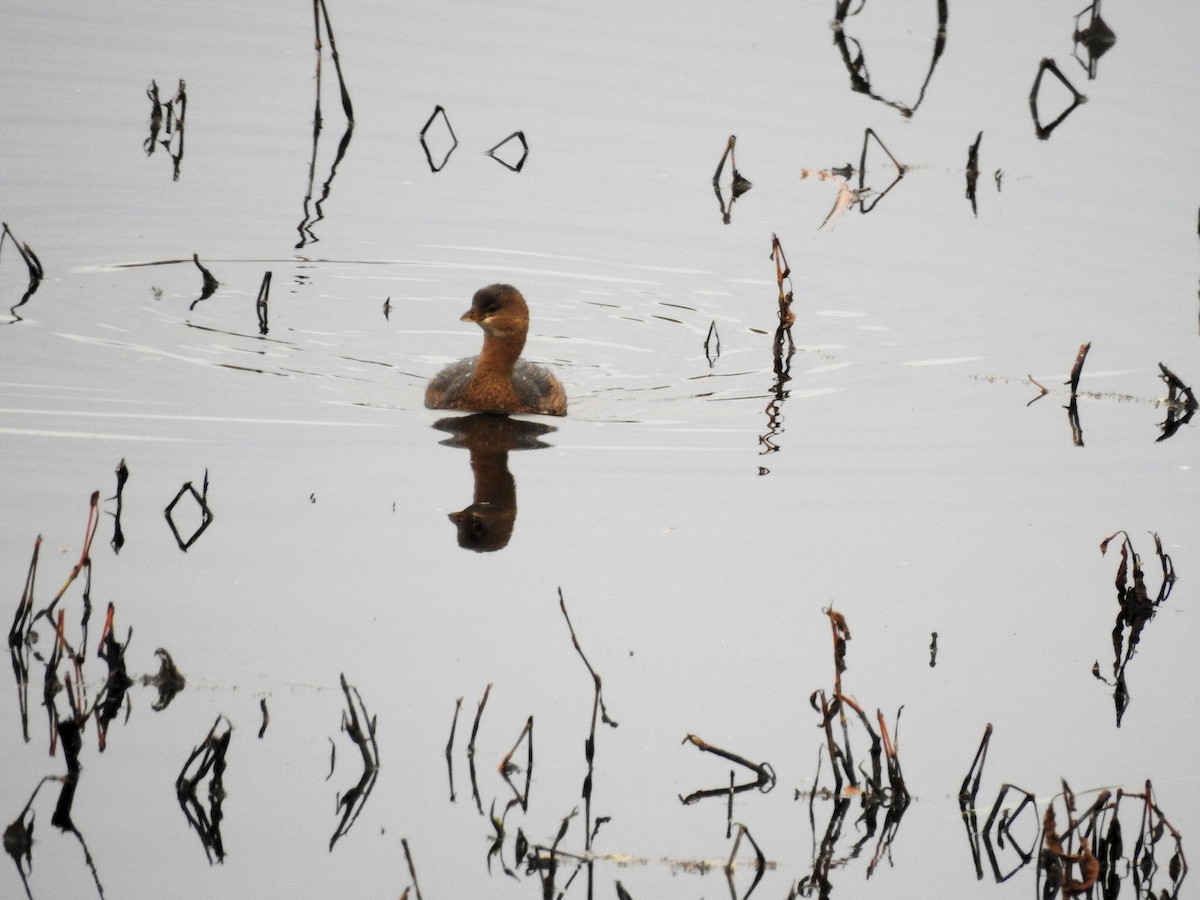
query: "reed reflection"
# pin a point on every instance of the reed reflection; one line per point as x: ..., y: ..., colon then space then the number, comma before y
x: 32, y: 263
x: 1135, y: 611
x: 1095, y: 38
x: 1090, y: 853
x: 169, y: 118
x: 856, y: 61
x: 313, y: 210
x: 487, y: 523
x: 1077, y: 99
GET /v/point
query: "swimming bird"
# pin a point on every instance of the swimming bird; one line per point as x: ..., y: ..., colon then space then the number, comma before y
x: 498, y: 380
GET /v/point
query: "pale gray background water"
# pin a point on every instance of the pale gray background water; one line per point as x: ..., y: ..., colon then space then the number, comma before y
x: 912, y: 487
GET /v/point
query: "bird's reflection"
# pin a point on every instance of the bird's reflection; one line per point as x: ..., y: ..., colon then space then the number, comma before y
x: 487, y: 524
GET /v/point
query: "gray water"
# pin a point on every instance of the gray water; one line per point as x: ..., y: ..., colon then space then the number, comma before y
x: 697, y: 512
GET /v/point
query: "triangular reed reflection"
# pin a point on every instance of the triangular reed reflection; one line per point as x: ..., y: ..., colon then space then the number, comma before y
x: 856, y: 63
x: 519, y: 136
x: 1044, y: 131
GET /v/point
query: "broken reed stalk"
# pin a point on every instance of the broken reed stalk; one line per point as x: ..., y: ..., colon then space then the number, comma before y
x: 970, y: 786
x: 562, y: 604
x: 506, y: 762
x: 450, y: 745
x: 32, y: 263
x: 783, y: 273
x: 347, y: 106
x: 478, y: 715
x: 764, y: 773
x: 85, y: 554
x: 471, y: 749
x: 22, y: 618
x: 209, y: 284
x: 760, y: 860
x: 862, y: 163
x: 412, y: 871
x: 260, y: 305
x: 728, y: 153
x: 1077, y: 368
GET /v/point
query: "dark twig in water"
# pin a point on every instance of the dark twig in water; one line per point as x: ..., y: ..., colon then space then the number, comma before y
x: 206, y: 820
x: 973, y: 171
x: 412, y: 871
x: 783, y: 273
x: 863, y: 189
x: 260, y: 305
x: 450, y: 745
x: 507, y: 767
x: 970, y: 784
x: 760, y: 862
x: 1077, y: 368
x: 433, y: 166
x: 1181, y: 403
x: 712, y: 344
x: 315, y: 214
x: 32, y: 263
x: 359, y: 725
x: 347, y: 107
x: 1044, y: 131
x: 860, y: 80
x: 471, y: 748
x: 1041, y: 387
x: 598, y: 710
x: 739, y: 186
x: 206, y: 515
x: 209, y: 284
x: 118, y: 538
x: 520, y: 163
x: 19, y: 647
x: 764, y: 774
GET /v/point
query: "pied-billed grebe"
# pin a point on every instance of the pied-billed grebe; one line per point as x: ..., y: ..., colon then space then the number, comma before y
x: 498, y: 380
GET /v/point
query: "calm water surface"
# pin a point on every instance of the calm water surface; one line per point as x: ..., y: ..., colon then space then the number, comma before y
x: 697, y: 511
